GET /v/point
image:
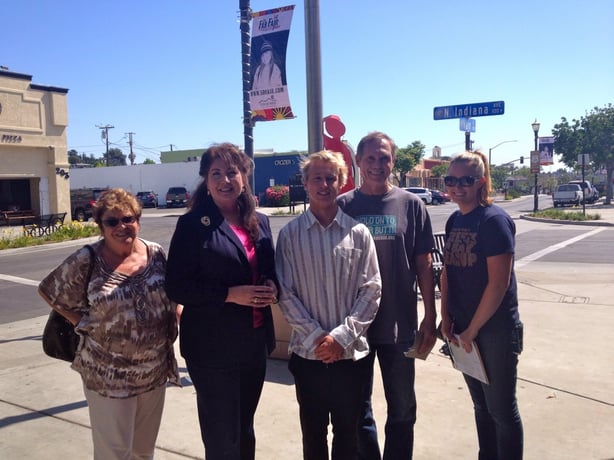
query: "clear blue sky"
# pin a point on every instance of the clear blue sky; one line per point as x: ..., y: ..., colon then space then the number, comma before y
x: 170, y: 71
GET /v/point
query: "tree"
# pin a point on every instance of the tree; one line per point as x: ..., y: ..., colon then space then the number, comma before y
x: 498, y: 176
x: 592, y: 134
x: 73, y: 157
x: 116, y: 157
x: 406, y: 159
x: 440, y: 170
x: 149, y: 161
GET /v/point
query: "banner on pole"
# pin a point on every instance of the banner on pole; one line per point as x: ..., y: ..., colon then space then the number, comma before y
x: 268, y: 96
x: 546, y: 149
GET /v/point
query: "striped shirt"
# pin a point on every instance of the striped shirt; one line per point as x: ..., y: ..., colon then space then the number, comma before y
x: 330, y: 283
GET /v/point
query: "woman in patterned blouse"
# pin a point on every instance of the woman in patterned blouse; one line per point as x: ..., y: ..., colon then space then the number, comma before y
x: 127, y: 326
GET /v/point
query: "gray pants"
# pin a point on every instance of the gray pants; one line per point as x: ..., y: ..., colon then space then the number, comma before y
x: 127, y: 428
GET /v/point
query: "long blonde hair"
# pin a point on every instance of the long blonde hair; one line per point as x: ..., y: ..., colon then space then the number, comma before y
x: 477, y: 160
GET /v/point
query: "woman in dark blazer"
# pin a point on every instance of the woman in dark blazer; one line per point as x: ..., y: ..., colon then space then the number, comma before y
x: 221, y: 269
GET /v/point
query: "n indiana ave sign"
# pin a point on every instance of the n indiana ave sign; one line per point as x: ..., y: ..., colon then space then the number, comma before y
x: 481, y: 109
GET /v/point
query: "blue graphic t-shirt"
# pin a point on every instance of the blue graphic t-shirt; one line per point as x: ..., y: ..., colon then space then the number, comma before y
x: 401, y: 228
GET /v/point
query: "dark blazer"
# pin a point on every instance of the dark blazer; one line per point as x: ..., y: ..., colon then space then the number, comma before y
x: 205, y: 259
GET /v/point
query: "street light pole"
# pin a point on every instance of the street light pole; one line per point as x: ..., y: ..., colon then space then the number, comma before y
x: 535, y: 126
x: 492, y: 148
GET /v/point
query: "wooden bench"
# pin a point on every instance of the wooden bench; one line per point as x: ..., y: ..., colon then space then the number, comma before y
x: 45, y: 224
x: 17, y: 217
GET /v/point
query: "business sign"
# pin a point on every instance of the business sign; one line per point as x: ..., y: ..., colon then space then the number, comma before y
x: 546, y: 150
x: 481, y: 109
x: 268, y: 96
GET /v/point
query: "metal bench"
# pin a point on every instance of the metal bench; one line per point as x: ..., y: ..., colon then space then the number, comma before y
x: 45, y: 224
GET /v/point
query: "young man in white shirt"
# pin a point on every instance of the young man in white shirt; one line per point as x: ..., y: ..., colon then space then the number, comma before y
x: 330, y: 290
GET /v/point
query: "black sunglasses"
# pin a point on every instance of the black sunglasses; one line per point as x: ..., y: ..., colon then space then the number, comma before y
x: 464, y: 181
x: 114, y: 221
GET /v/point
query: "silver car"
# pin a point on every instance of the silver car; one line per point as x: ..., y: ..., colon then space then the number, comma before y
x: 423, y: 193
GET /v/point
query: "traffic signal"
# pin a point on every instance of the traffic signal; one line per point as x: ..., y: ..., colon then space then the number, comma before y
x: 521, y: 160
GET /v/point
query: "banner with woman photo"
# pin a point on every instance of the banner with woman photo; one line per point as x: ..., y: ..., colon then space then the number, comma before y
x: 268, y: 96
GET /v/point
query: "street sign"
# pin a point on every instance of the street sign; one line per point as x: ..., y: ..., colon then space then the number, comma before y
x: 481, y: 109
x: 467, y: 125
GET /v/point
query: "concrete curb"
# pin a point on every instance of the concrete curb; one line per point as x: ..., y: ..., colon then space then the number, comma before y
x: 599, y: 223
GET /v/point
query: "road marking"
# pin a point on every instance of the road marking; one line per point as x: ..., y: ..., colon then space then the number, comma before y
x: 19, y: 280
x: 555, y: 247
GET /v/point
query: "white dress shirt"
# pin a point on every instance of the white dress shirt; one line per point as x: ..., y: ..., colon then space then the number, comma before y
x: 330, y: 283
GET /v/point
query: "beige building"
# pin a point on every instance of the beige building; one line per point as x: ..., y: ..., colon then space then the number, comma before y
x: 33, y: 154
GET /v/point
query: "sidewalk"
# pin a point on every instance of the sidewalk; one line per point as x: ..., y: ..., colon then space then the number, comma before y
x: 565, y: 387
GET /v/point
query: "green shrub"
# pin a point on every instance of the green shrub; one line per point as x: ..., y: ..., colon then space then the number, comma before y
x: 15, y: 238
x: 559, y: 214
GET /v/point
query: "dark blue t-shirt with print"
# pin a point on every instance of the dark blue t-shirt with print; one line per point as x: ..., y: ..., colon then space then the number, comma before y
x: 470, y: 239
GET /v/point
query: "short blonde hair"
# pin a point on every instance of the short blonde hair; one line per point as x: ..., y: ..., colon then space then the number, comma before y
x: 327, y: 156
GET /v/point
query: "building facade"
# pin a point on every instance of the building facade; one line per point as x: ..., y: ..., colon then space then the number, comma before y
x: 34, y: 170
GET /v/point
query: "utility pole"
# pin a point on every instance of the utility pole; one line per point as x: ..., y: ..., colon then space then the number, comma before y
x: 314, y: 75
x: 246, y: 53
x: 105, y: 135
x: 131, y: 156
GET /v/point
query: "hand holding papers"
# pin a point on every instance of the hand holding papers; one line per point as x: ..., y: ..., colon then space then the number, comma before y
x: 413, y: 351
x: 468, y: 363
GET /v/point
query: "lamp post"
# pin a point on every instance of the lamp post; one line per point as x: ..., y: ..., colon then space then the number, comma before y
x: 535, y: 126
x: 492, y: 148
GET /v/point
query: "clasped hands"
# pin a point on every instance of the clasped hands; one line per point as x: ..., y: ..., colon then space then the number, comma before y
x: 254, y: 295
x: 328, y: 350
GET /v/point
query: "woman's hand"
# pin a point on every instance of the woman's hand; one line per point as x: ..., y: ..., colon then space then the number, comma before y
x: 253, y: 295
x: 466, y: 339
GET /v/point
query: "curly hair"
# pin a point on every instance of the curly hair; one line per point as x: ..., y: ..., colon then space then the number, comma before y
x: 116, y: 199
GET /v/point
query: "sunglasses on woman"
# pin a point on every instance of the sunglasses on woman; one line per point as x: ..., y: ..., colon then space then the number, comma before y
x: 463, y: 181
x: 114, y: 221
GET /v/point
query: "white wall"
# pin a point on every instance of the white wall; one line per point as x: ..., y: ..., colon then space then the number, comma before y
x: 136, y: 178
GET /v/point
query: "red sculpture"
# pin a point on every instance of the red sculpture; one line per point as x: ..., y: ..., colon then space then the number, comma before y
x: 333, y: 130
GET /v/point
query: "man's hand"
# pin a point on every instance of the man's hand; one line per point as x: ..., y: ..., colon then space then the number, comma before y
x: 328, y: 350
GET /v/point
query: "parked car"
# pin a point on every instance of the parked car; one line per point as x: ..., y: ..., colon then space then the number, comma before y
x: 590, y: 193
x: 147, y: 199
x: 81, y: 201
x: 567, y: 194
x: 423, y: 193
x: 177, y: 196
x: 439, y: 197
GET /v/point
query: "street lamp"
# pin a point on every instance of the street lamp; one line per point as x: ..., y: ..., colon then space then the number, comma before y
x: 492, y: 148
x: 535, y: 126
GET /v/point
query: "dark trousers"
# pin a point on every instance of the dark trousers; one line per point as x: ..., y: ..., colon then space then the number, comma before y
x: 226, y: 399
x: 329, y: 392
x: 398, y: 376
x: 500, y: 433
